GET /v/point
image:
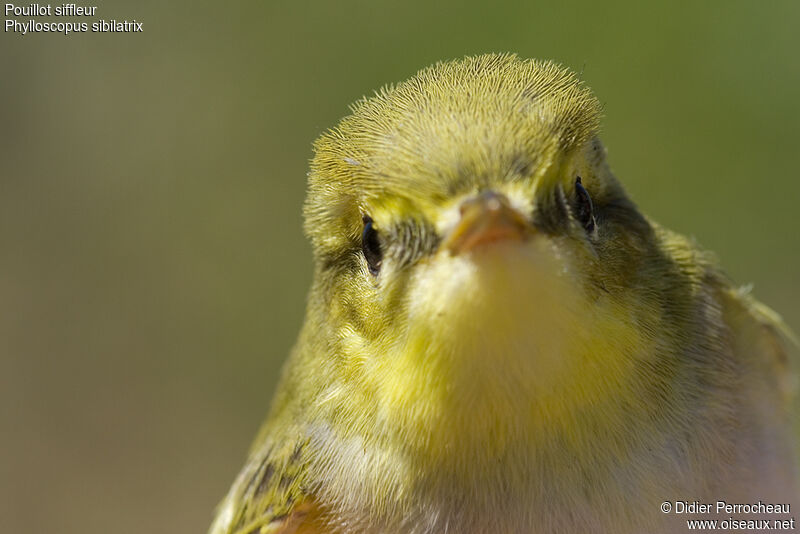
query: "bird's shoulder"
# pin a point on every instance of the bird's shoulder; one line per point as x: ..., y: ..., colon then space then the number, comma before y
x: 761, y: 339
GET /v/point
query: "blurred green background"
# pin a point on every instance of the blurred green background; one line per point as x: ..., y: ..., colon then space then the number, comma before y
x: 152, y: 264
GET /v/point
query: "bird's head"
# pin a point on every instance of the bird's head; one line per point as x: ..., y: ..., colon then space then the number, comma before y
x: 476, y: 261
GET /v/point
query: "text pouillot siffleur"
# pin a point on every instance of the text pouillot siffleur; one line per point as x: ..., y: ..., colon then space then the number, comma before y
x: 24, y: 27
x: 46, y: 10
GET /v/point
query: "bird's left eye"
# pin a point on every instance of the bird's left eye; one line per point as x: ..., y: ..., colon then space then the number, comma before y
x: 584, y: 210
x: 371, y: 246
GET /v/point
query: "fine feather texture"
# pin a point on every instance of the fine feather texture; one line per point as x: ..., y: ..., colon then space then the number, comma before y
x: 407, y: 143
x: 568, y: 382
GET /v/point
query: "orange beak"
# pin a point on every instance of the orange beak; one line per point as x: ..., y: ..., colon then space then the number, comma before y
x: 486, y: 218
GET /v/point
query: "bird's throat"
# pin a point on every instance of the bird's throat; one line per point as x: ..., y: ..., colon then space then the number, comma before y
x: 500, y: 350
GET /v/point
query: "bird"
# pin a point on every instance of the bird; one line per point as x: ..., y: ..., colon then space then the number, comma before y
x: 497, y: 339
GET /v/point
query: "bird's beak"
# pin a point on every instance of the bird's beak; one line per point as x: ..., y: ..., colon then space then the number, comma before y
x: 486, y: 218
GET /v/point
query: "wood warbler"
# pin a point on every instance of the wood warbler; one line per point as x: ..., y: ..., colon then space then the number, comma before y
x: 498, y: 341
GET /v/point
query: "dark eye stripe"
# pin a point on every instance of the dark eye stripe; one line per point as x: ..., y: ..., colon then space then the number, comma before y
x: 411, y: 240
x: 551, y: 210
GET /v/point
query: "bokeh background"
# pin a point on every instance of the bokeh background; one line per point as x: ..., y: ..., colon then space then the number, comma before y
x: 152, y: 265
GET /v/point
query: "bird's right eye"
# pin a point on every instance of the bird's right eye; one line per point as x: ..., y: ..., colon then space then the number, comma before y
x: 585, y: 209
x: 371, y: 246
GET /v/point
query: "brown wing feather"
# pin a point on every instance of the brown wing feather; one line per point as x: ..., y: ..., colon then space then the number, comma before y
x: 270, y: 496
x: 305, y: 518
